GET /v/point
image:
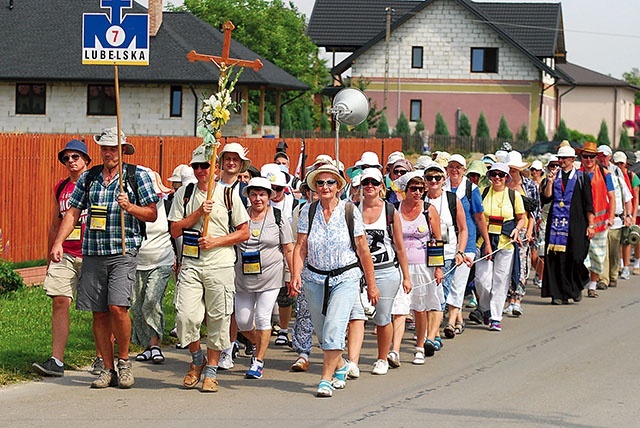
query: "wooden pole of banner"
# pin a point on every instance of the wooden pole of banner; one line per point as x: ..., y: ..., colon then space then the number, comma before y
x: 223, y: 63
x: 120, y: 182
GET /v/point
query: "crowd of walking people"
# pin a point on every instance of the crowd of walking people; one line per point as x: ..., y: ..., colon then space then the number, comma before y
x: 402, y: 244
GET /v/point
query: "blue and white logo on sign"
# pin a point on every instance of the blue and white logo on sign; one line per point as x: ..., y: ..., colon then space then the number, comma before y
x: 119, y: 40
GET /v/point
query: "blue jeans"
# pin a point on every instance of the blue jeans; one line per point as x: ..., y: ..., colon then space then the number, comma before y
x: 331, y: 328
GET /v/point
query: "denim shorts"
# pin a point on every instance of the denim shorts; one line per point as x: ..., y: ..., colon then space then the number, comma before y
x: 388, y: 282
x: 331, y: 328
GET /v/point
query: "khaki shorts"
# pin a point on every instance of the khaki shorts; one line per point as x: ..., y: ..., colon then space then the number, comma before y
x: 210, y: 291
x: 62, y: 277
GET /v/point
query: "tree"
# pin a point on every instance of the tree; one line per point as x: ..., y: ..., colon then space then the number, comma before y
x: 633, y: 77
x: 402, y: 126
x: 482, y: 128
x: 324, y: 123
x: 363, y: 128
x: 624, y: 143
x: 523, y: 134
x: 418, y: 128
x: 504, y: 133
x: 441, y: 126
x: 541, y: 133
x: 306, y: 124
x: 464, y: 126
x: 562, y: 133
x: 579, y: 137
x: 267, y: 118
x: 382, y: 131
x: 285, y: 118
x: 603, y: 135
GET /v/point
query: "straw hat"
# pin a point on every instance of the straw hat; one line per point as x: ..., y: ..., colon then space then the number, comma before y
x: 328, y: 168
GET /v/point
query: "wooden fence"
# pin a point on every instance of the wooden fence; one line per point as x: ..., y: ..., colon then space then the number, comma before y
x: 29, y: 169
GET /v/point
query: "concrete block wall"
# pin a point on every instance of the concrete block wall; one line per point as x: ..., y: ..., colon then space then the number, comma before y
x: 447, y: 32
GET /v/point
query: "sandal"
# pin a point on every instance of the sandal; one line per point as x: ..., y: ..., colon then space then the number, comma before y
x: 429, y: 348
x: 282, y: 339
x: 144, y: 355
x: 156, y: 355
x: 449, y: 331
x: 459, y: 327
x: 324, y: 389
x: 339, y: 380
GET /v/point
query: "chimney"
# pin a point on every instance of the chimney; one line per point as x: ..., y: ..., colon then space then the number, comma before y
x: 155, y: 16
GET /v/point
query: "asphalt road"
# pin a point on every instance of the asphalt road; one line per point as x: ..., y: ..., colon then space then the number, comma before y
x: 573, y: 365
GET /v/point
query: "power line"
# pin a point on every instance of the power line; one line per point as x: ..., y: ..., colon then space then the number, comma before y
x: 510, y: 24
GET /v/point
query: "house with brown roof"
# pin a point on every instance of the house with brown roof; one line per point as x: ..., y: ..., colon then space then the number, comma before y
x: 450, y: 57
x: 45, y: 88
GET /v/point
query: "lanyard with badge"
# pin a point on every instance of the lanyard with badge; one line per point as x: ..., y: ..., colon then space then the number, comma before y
x: 251, y: 264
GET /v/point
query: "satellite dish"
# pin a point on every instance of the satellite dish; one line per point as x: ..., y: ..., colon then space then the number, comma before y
x: 351, y: 107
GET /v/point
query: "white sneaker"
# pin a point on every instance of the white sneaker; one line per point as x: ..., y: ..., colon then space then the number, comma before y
x: 225, y: 362
x: 380, y: 367
x: 393, y: 359
x: 418, y: 357
x: 508, y: 310
x: 517, y: 310
x: 625, y: 273
x: 354, y: 370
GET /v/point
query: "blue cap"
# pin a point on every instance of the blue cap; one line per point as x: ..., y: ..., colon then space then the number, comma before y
x: 76, y: 146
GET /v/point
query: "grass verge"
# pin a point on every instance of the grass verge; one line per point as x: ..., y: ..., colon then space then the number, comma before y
x: 25, y: 326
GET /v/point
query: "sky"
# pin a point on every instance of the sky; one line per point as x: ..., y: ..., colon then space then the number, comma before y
x: 602, y: 35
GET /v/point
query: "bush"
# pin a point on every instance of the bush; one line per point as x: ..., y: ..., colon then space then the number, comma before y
x: 418, y: 128
x: 523, y: 134
x: 541, y: 133
x: 464, y: 126
x: 382, y: 131
x: 10, y: 280
x: 402, y: 126
x: 441, y: 126
x: 603, y: 135
x: 504, y: 133
x: 562, y: 133
x: 625, y: 143
x: 482, y: 128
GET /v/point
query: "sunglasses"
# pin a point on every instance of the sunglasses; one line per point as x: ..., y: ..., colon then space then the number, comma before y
x: 74, y: 156
x: 369, y: 181
x: 436, y: 178
x: 399, y: 171
x: 572, y: 157
x: 586, y: 157
x: 277, y: 188
x: 499, y: 174
x: 200, y: 165
x: 329, y: 183
x: 416, y: 189
x: 553, y: 165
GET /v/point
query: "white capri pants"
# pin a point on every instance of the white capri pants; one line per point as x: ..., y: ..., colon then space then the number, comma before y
x: 460, y: 278
x: 253, y: 309
x: 492, y: 282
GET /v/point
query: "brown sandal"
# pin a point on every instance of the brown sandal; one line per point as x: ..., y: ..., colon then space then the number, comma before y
x: 210, y: 384
x: 192, y: 377
x: 449, y: 331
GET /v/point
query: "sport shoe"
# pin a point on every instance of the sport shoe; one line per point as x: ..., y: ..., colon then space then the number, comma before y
x: 636, y: 270
x: 380, y: 367
x: 495, y: 325
x: 517, y: 310
x: 625, y: 274
x: 418, y: 357
x: 106, y: 378
x: 473, y: 302
x: 225, y: 362
x: 508, y: 310
x: 255, y: 371
x: 97, y: 366
x: 353, y: 372
x: 174, y: 332
x: 125, y: 374
x: 49, y: 368
x: 393, y: 359
x: 476, y: 316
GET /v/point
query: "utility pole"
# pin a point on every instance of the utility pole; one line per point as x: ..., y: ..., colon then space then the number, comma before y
x: 388, y: 10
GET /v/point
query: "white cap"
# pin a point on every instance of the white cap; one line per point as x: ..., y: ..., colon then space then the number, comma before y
x: 274, y: 174
x: 369, y: 159
x: 374, y: 173
x: 606, y: 150
x: 458, y: 158
x: 394, y: 156
x: 176, y: 173
x: 619, y: 157
x: 187, y: 176
x: 537, y: 165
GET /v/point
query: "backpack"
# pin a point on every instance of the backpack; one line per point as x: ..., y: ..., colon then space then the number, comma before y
x: 452, y: 200
x: 59, y: 190
x: 512, y: 197
x: 425, y: 212
x: 228, y: 201
x: 389, y: 210
x: 130, y: 170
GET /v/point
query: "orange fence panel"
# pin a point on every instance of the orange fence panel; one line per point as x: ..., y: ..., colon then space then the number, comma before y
x: 29, y: 169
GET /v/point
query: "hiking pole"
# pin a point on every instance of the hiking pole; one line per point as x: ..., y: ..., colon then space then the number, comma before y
x: 117, y: 88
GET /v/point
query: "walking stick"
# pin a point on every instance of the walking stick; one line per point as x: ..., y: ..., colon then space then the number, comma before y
x: 117, y: 87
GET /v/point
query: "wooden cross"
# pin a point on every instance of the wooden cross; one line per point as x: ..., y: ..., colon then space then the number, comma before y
x: 224, y: 62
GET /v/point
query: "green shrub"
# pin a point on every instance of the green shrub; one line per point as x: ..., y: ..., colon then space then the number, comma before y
x: 464, y: 126
x: 441, y: 126
x: 504, y: 133
x: 562, y: 133
x: 625, y: 143
x: 10, y: 280
x: 482, y: 128
x: 541, y: 133
x: 402, y: 126
x: 603, y: 135
x: 523, y: 134
x: 382, y: 131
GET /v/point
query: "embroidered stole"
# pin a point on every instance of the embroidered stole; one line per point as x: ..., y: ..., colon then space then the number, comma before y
x: 559, y: 230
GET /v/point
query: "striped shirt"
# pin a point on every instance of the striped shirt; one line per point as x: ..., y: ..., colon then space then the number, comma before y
x: 109, y: 241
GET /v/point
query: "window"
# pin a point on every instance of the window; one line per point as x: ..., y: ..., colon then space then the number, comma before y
x: 175, y: 110
x: 31, y: 98
x: 416, y: 57
x: 101, y: 100
x: 484, y: 60
x: 416, y: 110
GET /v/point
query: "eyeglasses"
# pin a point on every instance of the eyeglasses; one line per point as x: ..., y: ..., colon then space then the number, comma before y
x: 363, y: 167
x: 455, y: 166
x: 329, y: 183
x: 553, y: 165
x: 435, y: 178
x: 572, y: 157
x: 200, y: 165
x: 416, y: 189
x: 369, y: 181
x: 499, y: 174
x: 277, y: 188
x: 586, y: 157
x: 399, y: 171
x: 74, y: 156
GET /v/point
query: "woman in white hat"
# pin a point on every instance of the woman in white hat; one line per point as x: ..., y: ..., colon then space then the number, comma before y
x: 326, y: 260
x: 531, y: 196
x: 505, y: 217
x: 260, y: 267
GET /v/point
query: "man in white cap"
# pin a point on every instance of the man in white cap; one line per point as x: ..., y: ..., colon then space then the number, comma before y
x: 107, y: 274
x: 207, y: 274
x: 624, y: 217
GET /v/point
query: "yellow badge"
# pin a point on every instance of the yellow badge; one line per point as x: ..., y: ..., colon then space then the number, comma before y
x: 255, y: 233
x: 422, y: 228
